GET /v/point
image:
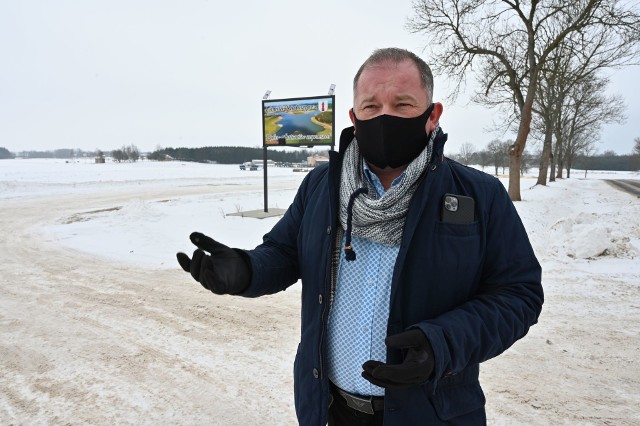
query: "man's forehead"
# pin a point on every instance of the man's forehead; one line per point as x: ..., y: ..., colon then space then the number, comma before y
x: 370, y: 97
x: 404, y: 70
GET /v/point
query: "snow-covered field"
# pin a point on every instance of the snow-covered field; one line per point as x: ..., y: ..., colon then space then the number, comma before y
x: 98, y: 325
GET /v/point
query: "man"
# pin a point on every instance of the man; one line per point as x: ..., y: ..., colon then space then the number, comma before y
x: 414, y: 268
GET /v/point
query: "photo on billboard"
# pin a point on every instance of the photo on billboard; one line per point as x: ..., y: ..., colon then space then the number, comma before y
x: 298, y: 121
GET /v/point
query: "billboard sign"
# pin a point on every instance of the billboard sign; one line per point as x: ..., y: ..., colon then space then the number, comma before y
x: 299, y: 121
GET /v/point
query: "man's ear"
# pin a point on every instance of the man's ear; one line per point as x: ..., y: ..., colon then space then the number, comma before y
x: 434, y: 118
x: 352, y: 116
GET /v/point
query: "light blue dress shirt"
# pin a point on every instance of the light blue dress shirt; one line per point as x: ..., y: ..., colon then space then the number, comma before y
x: 358, y: 319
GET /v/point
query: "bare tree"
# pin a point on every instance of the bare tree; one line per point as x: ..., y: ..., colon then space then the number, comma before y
x: 548, y: 107
x: 499, y: 152
x: 466, y: 153
x: 588, y: 153
x: 119, y: 155
x: 636, y: 154
x: 132, y: 153
x: 579, y: 58
x: 578, y: 128
x: 484, y: 158
x: 510, y: 41
x: 527, y: 160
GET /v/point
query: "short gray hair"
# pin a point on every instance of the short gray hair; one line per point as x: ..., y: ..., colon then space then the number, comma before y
x: 396, y: 55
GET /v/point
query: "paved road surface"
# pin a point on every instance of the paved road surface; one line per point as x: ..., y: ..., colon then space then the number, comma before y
x: 632, y: 186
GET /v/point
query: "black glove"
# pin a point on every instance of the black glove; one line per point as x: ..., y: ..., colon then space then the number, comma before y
x: 416, y: 368
x: 225, y: 271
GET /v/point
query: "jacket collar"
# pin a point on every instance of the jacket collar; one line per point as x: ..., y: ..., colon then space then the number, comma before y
x: 345, y: 139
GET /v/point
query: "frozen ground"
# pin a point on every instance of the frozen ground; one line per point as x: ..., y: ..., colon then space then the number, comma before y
x: 98, y: 325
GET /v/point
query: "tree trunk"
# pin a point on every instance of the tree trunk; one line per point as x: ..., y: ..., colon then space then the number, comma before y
x: 515, y: 159
x: 555, y: 157
x: 545, y: 157
x: 560, y: 167
x: 559, y: 156
x: 516, y: 150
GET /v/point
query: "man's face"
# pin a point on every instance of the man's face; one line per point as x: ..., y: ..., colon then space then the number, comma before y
x: 390, y: 88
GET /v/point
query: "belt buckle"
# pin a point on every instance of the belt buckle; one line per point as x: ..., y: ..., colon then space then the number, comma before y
x: 361, y: 404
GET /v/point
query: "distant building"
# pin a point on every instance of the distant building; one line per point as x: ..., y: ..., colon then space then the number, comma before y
x: 260, y: 163
x: 317, y: 160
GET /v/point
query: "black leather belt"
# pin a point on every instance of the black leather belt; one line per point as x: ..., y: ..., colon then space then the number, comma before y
x: 364, y: 404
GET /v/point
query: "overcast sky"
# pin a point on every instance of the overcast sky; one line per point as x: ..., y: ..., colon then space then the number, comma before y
x: 103, y: 74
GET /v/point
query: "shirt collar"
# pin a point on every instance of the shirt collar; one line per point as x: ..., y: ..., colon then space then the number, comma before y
x: 375, y: 181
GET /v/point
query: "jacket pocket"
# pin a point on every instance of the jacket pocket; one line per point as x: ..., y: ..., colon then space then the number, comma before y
x: 458, y: 255
x: 453, y: 400
x: 458, y: 230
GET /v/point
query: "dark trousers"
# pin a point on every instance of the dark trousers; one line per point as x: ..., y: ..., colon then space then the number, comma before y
x: 340, y: 414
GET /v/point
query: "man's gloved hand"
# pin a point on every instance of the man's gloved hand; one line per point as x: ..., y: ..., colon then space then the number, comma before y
x: 416, y: 368
x: 224, y: 271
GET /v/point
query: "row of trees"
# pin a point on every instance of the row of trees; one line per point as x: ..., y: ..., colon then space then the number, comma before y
x: 68, y: 153
x: 126, y: 153
x: 607, y: 161
x: 5, y: 154
x: 64, y: 153
x: 496, y: 154
x: 539, y: 62
x: 229, y: 154
x: 218, y: 154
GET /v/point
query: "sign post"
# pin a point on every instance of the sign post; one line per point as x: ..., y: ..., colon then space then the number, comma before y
x: 264, y: 163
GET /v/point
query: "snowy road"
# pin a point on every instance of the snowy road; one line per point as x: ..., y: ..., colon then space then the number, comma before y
x: 85, y: 340
x: 99, y: 326
x: 628, y: 185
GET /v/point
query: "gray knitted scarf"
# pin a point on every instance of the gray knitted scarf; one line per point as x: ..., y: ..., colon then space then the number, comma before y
x: 379, y: 219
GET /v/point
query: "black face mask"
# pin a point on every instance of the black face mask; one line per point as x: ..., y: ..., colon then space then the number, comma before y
x: 387, y: 140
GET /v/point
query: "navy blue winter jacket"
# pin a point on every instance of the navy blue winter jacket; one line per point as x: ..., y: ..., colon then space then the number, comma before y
x: 473, y: 289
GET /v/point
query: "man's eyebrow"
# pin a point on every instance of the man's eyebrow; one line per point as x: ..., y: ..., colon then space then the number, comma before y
x: 405, y: 97
x: 368, y: 99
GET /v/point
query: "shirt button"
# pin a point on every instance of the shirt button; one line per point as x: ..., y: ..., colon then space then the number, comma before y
x: 320, y: 299
x: 328, y: 230
x: 315, y: 373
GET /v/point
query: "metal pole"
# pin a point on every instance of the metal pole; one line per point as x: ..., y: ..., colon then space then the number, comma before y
x: 264, y: 166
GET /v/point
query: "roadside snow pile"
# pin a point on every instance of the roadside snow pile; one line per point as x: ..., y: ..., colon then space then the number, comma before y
x: 592, y: 235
